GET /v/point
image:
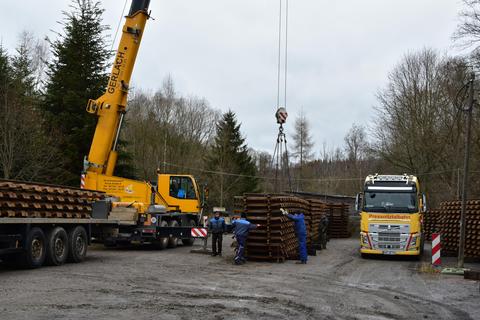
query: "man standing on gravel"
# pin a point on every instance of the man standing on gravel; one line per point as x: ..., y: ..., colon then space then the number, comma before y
x: 301, y: 232
x: 241, y: 228
x: 216, y: 226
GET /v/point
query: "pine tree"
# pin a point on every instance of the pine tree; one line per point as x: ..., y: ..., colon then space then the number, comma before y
x: 26, y: 149
x: 76, y: 74
x: 229, y: 155
x: 303, y: 145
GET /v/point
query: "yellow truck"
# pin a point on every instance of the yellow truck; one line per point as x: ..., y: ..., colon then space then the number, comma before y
x: 391, y: 209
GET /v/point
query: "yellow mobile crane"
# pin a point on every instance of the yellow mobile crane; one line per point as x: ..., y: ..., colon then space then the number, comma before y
x: 161, y: 208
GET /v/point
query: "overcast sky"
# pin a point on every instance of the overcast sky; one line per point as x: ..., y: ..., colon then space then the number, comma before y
x: 340, y: 53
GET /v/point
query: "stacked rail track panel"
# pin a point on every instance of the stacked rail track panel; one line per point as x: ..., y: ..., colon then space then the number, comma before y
x: 275, y: 239
x: 338, y: 220
x: 446, y: 221
x: 34, y: 200
x: 430, y: 223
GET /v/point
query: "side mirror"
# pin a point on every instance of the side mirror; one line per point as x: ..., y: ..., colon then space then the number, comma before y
x: 424, y: 202
x: 357, y: 201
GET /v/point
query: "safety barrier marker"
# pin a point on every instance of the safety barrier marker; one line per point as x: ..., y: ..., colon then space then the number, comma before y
x: 82, y: 181
x: 199, y: 232
x: 436, y: 248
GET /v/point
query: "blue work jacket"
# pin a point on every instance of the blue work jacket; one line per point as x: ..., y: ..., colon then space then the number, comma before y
x: 216, y: 225
x: 241, y: 227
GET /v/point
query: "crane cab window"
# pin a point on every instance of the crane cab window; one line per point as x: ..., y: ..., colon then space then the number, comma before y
x: 182, y: 188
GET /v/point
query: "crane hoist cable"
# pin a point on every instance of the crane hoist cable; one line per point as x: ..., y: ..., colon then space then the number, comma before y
x: 280, y: 158
x: 118, y: 25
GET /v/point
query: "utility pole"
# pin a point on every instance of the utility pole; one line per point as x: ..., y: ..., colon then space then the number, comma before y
x: 469, y: 110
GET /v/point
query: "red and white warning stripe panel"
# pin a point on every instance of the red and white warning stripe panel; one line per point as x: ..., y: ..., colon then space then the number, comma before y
x: 436, y: 248
x: 82, y: 181
x: 199, y: 232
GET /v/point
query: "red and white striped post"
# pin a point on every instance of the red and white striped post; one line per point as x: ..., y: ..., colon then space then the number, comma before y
x: 436, y: 248
x: 82, y: 181
x: 199, y: 232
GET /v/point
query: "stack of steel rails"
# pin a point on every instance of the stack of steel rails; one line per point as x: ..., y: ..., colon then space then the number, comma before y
x: 35, y: 200
x: 448, y: 224
x: 338, y: 219
x: 275, y: 239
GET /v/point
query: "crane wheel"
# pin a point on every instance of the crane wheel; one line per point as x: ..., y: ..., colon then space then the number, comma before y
x: 77, y: 244
x: 161, y: 243
x: 189, y: 241
x: 172, y: 241
x: 35, y: 250
x: 57, y: 247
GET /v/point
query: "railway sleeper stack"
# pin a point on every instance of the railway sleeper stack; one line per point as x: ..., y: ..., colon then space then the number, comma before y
x: 448, y: 224
x: 338, y: 220
x: 275, y: 239
x: 34, y: 200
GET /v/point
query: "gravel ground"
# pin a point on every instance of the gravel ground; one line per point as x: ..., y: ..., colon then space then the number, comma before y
x: 176, y: 284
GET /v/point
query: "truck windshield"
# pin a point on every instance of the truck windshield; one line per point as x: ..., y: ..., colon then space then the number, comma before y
x: 391, y: 202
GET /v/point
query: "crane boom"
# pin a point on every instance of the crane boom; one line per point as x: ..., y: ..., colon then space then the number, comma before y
x: 111, y: 106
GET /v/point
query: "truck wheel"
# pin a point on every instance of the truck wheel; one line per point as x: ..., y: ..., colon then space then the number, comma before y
x: 172, y: 241
x: 77, y: 244
x: 57, y: 247
x: 189, y: 241
x: 364, y: 255
x: 35, y: 250
x: 161, y: 243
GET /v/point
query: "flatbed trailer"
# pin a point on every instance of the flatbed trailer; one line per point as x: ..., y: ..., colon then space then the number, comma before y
x: 33, y: 242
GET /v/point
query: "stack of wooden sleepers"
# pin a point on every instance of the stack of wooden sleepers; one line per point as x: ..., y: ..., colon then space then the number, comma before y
x: 34, y: 200
x: 275, y: 239
x: 338, y: 220
x: 447, y: 222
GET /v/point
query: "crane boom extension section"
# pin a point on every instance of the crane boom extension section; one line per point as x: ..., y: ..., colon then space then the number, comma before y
x: 110, y: 107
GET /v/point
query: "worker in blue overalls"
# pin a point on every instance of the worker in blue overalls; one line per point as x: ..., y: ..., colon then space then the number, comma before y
x: 216, y: 227
x: 241, y: 228
x: 301, y: 232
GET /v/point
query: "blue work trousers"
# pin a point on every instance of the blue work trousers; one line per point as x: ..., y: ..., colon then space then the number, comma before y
x: 241, y: 249
x: 302, y: 247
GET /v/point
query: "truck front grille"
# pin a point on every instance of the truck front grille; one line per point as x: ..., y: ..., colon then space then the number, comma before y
x: 388, y: 237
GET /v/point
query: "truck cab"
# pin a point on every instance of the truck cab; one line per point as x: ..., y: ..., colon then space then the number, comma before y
x: 391, y: 209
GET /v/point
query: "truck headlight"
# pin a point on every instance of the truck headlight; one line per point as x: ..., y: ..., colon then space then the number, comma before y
x: 364, y: 239
x: 413, y: 243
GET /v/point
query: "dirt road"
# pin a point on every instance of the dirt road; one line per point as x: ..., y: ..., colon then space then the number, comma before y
x: 175, y: 284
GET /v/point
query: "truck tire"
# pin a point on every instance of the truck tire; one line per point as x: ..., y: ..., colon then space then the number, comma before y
x: 77, y: 244
x: 161, y: 243
x: 35, y: 249
x: 189, y: 242
x: 172, y: 241
x: 57, y: 247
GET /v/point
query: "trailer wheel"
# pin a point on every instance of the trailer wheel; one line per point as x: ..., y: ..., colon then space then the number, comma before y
x: 57, y: 247
x: 189, y: 241
x: 161, y: 243
x: 77, y: 244
x: 172, y: 241
x: 35, y: 249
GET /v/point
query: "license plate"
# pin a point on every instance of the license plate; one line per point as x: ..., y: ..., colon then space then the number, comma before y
x: 389, y: 252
